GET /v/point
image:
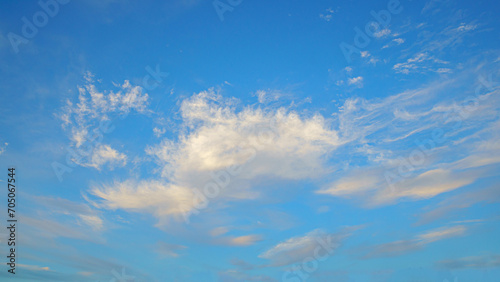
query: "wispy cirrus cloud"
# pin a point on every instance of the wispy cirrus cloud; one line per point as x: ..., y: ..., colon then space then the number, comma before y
x: 160, y: 198
x: 245, y: 240
x: 89, y: 119
x: 236, y: 275
x: 474, y: 262
x: 266, y: 96
x: 86, y: 214
x: 401, y: 247
x: 452, y: 206
x: 296, y: 249
x: 388, y: 175
x: 168, y: 250
x: 420, y: 63
x: 394, y: 42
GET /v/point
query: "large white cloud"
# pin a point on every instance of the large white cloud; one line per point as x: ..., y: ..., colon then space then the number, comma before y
x: 279, y: 143
x: 223, y: 151
x: 214, y: 136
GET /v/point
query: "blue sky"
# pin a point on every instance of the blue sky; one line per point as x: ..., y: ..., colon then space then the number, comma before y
x: 191, y: 140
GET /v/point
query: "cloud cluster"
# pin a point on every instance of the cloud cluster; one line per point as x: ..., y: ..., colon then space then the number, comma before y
x: 216, y: 136
x: 421, y: 62
x: 408, y: 142
x: 327, y: 15
x: 268, y: 142
x: 88, y: 120
x: 430, y: 47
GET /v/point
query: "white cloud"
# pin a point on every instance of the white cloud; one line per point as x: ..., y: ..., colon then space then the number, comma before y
x: 401, y: 247
x: 410, y: 64
x: 358, y: 81
x: 420, y: 63
x: 2, y: 148
x: 159, y: 132
x: 45, y: 228
x: 237, y: 275
x: 436, y: 41
x: 353, y: 184
x: 443, y: 70
x: 95, y: 105
x: 323, y: 209
x: 466, y: 27
x: 169, y: 250
x: 382, y: 33
x: 266, y: 96
x: 298, y: 248
x: 92, y: 220
x: 399, y: 41
x: 83, y: 213
x: 219, y: 137
x: 425, y: 185
x: 266, y: 142
x: 219, y: 231
x: 105, y: 155
x: 327, y: 15
x: 365, y: 54
x: 215, y: 136
x: 373, y: 61
x: 441, y: 233
x: 388, y: 174
x: 34, y: 267
x: 89, y: 119
x: 373, y: 184
x: 246, y: 240
x: 164, y: 200
x: 474, y: 262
